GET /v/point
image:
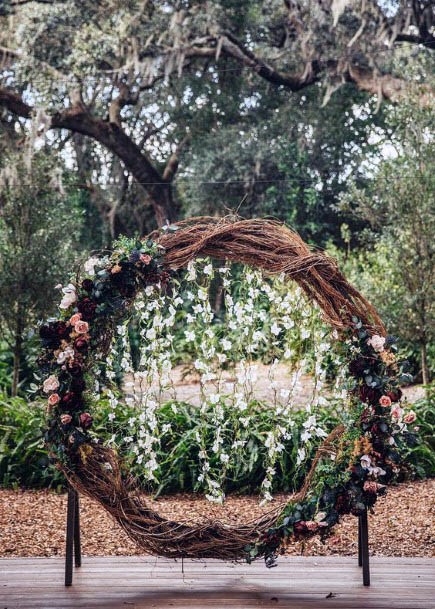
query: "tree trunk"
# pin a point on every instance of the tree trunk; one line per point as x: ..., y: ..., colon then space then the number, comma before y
x: 424, y: 365
x: 18, y: 349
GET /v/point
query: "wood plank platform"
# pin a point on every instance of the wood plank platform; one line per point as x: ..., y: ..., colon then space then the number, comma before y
x: 139, y: 583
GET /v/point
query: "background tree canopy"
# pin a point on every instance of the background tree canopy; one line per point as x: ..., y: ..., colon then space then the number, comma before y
x: 150, y: 111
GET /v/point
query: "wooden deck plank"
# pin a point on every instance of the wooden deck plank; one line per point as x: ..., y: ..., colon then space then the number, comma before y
x: 139, y: 583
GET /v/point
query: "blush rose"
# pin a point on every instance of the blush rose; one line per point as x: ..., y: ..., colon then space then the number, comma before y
x: 81, y: 327
x: 409, y: 417
x: 385, y: 401
x: 50, y: 384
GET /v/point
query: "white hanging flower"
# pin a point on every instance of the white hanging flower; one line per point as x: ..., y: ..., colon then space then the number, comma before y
x: 226, y: 344
x: 151, y: 334
x: 190, y: 335
x: 208, y: 269
x: 301, y: 455
x: 275, y: 329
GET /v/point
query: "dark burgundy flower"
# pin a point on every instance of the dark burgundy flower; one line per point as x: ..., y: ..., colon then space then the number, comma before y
x: 54, y: 332
x: 300, y: 527
x: 87, y: 285
x: 70, y: 400
x: 47, y: 332
x: 357, y: 366
x: 394, y: 395
x: 78, y: 384
x: 342, y: 504
x: 75, y: 368
x: 62, y: 330
x: 369, y: 394
x: 85, y: 420
x: 81, y: 344
x: 87, y: 308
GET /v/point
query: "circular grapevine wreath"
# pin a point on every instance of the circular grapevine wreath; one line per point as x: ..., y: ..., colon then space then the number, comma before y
x: 351, y: 467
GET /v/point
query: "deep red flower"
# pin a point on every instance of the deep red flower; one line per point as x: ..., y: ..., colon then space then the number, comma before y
x: 81, y: 344
x: 78, y: 384
x: 357, y: 366
x: 370, y: 395
x: 300, y: 527
x: 87, y: 308
x: 54, y: 332
x: 87, y: 285
x: 75, y: 367
x: 70, y: 399
x: 85, y: 420
x: 342, y: 504
x: 394, y: 395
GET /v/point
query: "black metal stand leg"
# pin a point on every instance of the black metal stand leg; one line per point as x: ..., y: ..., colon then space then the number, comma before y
x: 77, y: 544
x: 70, y: 521
x: 363, y: 547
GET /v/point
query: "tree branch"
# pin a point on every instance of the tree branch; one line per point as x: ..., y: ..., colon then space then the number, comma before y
x: 79, y: 120
x: 172, y: 164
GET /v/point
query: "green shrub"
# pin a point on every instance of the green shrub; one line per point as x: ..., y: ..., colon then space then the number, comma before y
x: 422, y: 456
x: 23, y: 457
x: 24, y: 461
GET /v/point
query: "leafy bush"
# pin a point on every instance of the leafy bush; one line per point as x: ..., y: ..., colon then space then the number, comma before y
x: 24, y: 460
x: 422, y: 456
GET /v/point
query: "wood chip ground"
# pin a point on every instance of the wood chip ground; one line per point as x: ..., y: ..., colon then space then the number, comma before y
x: 32, y: 523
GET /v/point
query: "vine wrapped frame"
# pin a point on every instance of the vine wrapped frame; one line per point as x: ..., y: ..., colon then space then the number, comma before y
x: 98, y: 471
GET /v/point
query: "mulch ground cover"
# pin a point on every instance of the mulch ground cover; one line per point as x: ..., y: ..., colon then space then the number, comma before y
x: 32, y: 523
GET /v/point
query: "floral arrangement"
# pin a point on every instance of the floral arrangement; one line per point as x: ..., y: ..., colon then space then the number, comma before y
x: 89, y: 309
x: 355, y: 473
x: 350, y: 470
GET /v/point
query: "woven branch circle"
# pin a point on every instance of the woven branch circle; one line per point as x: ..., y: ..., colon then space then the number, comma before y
x: 366, y: 456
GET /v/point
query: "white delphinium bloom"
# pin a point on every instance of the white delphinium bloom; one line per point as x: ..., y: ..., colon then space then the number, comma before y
x: 202, y: 294
x: 300, y: 456
x: 226, y: 344
x: 190, y: 335
x: 191, y: 271
x: 208, y: 270
x: 275, y: 329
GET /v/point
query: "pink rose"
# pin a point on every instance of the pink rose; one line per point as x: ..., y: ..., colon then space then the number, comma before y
x: 81, y: 327
x: 377, y: 342
x: 409, y: 417
x: 53, y: 399
x: 50, y: 384
x: 385, y: 401
x: 396, y: 412
x: 66, y: 419
x: 85, y: 420
x: 75, y: 318
x: 145, y: 258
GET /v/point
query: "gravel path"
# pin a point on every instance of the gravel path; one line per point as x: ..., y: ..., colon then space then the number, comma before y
x: 32, y: 523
